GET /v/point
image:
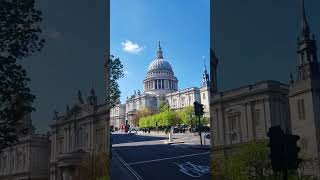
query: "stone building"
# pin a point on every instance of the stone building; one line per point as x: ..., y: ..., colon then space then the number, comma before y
x: 117, y: 116
x: 28, y: 158
x: 79, y: 131
x: 161, y: 84
x: 304, y: 96
x: 246, y: 113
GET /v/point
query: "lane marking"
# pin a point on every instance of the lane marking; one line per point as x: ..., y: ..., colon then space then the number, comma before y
x: 193, y: 170
x: 136, y: 175
x: 162, y: 159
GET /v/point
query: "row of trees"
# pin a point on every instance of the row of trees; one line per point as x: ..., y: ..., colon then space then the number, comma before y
x: 251, y: 162
x: 166, y: 117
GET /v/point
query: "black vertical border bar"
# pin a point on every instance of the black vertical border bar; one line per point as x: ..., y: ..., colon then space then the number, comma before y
x: 211, y: 110
x: 107, y: 85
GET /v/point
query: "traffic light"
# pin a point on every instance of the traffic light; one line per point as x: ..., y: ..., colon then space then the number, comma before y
x: 292, y: 151
x: 201, y: 109
x: 277, y: 148
x: 196, y: 108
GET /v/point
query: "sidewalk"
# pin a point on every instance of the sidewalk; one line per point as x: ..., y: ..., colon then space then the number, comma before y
x: 118, y: 171
x: 195, y: 146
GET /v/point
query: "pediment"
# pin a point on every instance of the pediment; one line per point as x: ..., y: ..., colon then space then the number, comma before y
x: 78, y: 111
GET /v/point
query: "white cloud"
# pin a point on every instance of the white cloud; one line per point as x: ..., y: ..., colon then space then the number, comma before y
x: 126, y: 72
x: 131, y: 47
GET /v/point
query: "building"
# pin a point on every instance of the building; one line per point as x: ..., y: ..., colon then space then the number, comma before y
x: 78, y: 132
x: 117, y: 116
x: 246, y: 113
x: 161, y: 84
x: 304, y: 96
x: 28, y: 158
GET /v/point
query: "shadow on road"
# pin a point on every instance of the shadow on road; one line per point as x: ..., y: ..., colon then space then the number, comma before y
x: 148, y: 160
x: 128, y: 138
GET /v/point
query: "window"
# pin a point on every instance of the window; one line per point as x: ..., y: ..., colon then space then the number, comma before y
x: 204, y: 96
x: 234, y: 127
x: 60, y: 145
x: 256, y: 116
x: 233, y: 123
x: 301, y: 109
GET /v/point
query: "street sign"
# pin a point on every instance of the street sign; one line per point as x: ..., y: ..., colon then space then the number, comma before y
x: 207, y: 135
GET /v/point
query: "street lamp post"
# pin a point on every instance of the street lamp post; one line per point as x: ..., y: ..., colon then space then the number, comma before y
x: 191, y: 123
x: 157, y: 126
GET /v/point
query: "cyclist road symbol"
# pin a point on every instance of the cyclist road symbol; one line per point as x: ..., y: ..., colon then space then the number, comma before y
x: 193, y: 170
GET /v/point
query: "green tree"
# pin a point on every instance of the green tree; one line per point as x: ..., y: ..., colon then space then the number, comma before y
x: 115, y: 69
x: 140, y: 114
x: 20, y: 37
x: 94, y: 166
x: 249, y: 162
x: 163, y: 106
x: 187, y: 115
x: 204, y: 121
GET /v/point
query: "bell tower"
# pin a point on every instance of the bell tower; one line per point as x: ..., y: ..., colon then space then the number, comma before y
x: 304, y: 96
x: 308, y: 67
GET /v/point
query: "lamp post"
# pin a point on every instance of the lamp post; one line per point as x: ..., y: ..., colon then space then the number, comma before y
x: 191, y: 123
x: 157, y: 126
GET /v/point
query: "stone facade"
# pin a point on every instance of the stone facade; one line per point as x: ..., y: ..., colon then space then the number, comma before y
x: 246, y: 113
x: 75, y: 134
x: 28, y: 159
x: 117, y: 116
x: 304, y: 97
x: 160, y: 84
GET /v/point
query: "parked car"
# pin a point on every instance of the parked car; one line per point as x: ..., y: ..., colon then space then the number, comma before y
x: 203, y: 129
x: 180, y: 129
x: 132, y: 131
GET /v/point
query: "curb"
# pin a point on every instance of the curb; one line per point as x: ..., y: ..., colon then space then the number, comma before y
x: 196, y: 146
x: 177, y: 142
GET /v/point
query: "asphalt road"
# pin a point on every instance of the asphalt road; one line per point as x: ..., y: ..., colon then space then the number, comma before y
x: 149, y: 158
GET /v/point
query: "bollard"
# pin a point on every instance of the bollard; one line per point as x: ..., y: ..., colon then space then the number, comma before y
x: 170, y: 135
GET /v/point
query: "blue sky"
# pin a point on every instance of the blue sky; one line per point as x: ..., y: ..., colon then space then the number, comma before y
x: 183, y: 27
x: 256, y: 40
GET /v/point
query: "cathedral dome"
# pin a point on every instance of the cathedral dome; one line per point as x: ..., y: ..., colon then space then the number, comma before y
x: 160, y: 64
x: 160, y: 77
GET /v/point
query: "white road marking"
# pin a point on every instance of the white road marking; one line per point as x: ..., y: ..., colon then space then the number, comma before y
x: 128, y: 167
x: 162, y: 159
x: 193, y: 170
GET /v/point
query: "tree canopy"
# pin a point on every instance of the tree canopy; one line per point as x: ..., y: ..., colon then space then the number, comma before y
x: 115, y: 72
x: 20, y: 37
x: 167, y: 117
x: 250, y: 161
